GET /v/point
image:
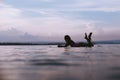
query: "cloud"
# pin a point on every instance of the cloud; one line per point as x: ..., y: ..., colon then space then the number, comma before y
x: 47, y: 0
x: 8, y: 11
x: 72, y: 5
x: 51, y: 23
x: 14, y: 35
x: 47, y: 26
x: 92, y: 5
x: 8, y: 16
x: 52, y: 26
x: 1, y: 1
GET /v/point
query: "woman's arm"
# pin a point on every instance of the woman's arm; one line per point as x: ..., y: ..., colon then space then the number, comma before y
x: 63, y: 45
x: 66, y: 45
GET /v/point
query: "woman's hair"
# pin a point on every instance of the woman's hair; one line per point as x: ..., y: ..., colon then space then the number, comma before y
x: 67, y: 37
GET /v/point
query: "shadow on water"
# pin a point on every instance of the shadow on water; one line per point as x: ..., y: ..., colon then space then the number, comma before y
x: 115, y: 73
x: 64, y: 77
x: 51, y: 62
x: 115, y: 68
x: 114, y: 76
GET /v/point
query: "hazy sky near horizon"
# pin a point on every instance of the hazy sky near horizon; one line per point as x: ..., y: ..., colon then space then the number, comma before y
x: 56, y: 18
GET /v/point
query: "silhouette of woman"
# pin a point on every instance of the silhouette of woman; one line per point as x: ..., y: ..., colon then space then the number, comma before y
x: 70, y: 42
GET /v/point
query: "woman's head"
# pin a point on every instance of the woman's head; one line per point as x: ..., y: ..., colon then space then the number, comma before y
x: 67, y: 38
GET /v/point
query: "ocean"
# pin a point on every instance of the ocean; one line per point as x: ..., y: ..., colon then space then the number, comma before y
x: 48, y: 62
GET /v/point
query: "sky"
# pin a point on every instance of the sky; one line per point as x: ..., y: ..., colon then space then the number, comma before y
x: 50, y: 20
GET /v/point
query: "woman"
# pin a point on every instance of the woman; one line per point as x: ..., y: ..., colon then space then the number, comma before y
x: 70, y: 42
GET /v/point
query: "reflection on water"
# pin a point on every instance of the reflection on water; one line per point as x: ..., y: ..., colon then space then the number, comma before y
x: 51, y: 63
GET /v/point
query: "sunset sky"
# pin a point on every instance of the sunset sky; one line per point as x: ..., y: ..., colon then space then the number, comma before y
x: 52, y: 19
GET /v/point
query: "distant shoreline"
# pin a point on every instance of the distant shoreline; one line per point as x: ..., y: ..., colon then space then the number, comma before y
x: 54, y: 43
x: 28, y: 44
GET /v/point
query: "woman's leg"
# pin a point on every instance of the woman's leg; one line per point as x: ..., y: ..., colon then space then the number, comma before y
x: 88, y: 38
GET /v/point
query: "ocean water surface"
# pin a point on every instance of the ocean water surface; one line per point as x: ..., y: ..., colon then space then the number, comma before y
x: 48, y: 62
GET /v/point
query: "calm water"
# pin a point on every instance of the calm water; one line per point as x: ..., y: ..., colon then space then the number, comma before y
x: 101, y: 62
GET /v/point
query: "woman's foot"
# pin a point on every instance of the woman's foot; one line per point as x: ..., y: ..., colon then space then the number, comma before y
x: 89, y: 37
x: 86, y: 36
